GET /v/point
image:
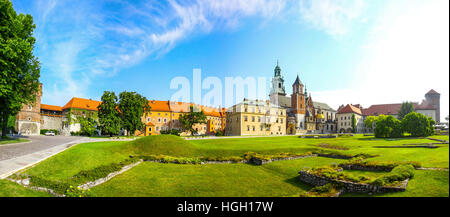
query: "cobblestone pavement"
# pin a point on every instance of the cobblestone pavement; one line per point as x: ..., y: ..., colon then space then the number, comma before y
x: 38, y: 143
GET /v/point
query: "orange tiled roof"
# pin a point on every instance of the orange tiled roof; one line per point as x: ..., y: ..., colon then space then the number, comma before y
x: 157, y: 105
x: 51, y: 107
x: 349, y: 109
x: 81, y: 103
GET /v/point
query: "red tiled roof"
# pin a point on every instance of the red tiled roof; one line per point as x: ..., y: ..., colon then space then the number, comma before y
x: 392, y: 109
x: 349, y: 109
x: 156, y: 105
x: 81, y: 103
x: 51, y: 107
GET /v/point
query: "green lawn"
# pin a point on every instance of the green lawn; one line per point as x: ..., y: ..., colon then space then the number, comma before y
x: 425, y: 183
x: 12, y: 189
x: 278, y: 179
x: 274, y: 179
x: 12, y: 140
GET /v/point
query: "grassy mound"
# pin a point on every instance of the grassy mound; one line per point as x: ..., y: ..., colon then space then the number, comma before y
x: 163, y: 145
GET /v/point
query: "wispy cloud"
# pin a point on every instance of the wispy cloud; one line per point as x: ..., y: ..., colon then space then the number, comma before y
x: 332, y: 16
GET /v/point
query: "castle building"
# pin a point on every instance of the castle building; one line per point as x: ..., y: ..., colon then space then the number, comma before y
x: 255, y: 117
x: 429, y: 107
x: 344, y: 119
x: 28, y: 120
x: 303, y: 114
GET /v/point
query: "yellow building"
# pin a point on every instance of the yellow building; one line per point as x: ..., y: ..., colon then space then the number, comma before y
x: 255, y: 117
x: 164, y: 115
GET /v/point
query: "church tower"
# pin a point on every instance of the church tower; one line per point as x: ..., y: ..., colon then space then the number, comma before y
x: 277, y: 91
x: 298, y: 103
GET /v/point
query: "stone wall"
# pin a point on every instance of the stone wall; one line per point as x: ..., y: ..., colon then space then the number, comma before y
x: 365, y: 168
x: 51, y: 123
x: 350, y: 186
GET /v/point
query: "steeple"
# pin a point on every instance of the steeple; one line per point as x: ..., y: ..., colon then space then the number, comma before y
x: 277, y: 70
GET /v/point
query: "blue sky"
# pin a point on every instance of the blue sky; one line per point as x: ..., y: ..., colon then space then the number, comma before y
x: 366, y: 52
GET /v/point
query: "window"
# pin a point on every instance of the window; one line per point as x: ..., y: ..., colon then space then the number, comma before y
x: 253, y: 128
x: 30, y: 107
x: 165, y: 120
x: 245, y: 118
x: 281, y: 120
x: 150, y: 129
x: 253, y: 118
x: 259, y: 119
x: 29, y: 119
x: 248, y: 128
x: 148, y: 119
x: 157, y: 128
x: 159, y: 120
x: 261, y: 128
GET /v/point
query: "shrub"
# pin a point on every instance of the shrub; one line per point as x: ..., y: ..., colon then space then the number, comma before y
x: 399, y: 173
x: 219, y: 133
x: 418, y: 125
x: 387, y: 165
x: 77, y: 192
x: 57, y: 187
x: 388, y: 127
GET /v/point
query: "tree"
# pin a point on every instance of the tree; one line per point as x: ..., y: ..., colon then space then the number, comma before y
x: 369, y: 122
x: 387, y: 126
x: 108, y: 114
x: 132, y: 106
x: 191, y: 118
x: 88, y: 126
x: 353, y: 123
x: 418, y: 124
x: 19, y: 69
x: 407, y: 107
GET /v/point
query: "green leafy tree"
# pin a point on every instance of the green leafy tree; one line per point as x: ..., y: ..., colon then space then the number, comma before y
x: 418, y: 124
x: 108, y: 114
x: 19, y: 68
x: 407, y: 107
x: 88, y: 126
x: 369, y: 122
x: 353, y: 123
x: 387, y: 126
x: 132, y: 107
x: 191, y: 118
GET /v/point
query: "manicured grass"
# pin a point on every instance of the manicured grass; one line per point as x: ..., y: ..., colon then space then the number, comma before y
x: 12, y: 140
x: 426, y: 183
x: 358, y: 144
x: 274, y: 179
x: 11, y: 189
x: 80, y: 157
x: 278, y: 179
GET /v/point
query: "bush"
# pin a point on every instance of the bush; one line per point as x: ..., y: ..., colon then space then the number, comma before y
x: 387, y: 165
x: 175, y: 132
x: 77, y: 192
x: 388, y: 127
x: 101, y: 171
x: 219, y: 133
x: 399, y: 173
x: 418, y: 125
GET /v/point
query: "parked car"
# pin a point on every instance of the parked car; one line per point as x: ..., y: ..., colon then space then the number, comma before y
x: 50, y: 133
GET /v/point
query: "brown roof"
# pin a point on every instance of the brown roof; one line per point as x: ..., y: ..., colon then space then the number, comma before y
x: 51, y: 107
x: 349, y: 109
x: 432, y: 92
x: 81, y: 103
x: 392, y: 109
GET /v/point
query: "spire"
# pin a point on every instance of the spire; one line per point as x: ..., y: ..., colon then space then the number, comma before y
x: 277, y: 70
x: 306, y: 91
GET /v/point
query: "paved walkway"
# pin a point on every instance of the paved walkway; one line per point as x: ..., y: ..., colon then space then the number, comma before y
x: 15, y: 157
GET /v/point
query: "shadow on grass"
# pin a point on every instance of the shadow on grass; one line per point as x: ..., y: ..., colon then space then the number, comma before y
x: 297, y: 183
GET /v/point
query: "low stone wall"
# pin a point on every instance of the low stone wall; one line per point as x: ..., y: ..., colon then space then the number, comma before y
x: 335, y: 156
x: 365, y: 168
x: 439, y: 140
x: 262, y: 162
x: 350, y: 186
x: 110, y: 176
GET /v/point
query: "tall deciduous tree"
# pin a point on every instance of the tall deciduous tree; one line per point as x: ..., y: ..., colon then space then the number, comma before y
x: 108, y: 114
x: 188, y: 120
x: 407, y: 107
x: 132, y: 107
x: 369, y: 122
x: 19, y: 68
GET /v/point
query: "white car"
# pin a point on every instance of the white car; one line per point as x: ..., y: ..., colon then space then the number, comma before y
x: 50, y: 133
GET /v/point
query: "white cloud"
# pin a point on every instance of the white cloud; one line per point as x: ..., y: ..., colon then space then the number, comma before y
x: 333, y: 16
x: 405, y: 56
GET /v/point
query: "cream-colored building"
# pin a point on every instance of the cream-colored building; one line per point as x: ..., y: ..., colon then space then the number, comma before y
x: 255, y: 117
x: 344, y: 119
